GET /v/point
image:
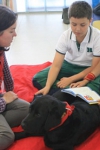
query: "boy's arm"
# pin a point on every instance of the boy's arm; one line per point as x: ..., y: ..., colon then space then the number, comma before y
x: 89, y: 77
x: 96, y: 70
x: 55, y: 68
x: 53, y: 72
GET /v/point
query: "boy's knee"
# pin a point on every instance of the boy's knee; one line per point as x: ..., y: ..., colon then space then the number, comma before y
x: 37, y: 76
x: 36, y: 84
x: 41, y: 75
x: 34, y: 79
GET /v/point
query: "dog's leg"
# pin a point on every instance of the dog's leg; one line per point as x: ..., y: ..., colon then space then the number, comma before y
x: 21, y: 135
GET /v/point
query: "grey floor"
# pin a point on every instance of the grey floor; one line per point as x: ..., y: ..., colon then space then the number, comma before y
x: 37, y: 35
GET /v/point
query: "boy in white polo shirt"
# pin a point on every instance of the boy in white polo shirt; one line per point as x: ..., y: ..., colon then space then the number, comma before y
x: 77, y: 53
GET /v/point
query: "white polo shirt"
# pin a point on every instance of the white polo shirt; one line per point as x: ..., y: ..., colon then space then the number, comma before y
x: 89, y: 47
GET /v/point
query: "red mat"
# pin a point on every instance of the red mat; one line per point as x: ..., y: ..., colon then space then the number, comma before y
x: 22, y: 75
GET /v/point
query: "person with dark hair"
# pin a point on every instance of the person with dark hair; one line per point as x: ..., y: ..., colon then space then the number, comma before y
x: 80, y: 10
x: 12, y: 109
x: 77, y: 53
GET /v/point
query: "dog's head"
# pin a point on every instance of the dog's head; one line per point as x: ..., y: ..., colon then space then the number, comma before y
x: 45, y: 113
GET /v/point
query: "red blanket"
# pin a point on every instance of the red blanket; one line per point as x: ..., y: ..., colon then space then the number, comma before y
x: 22, y: 75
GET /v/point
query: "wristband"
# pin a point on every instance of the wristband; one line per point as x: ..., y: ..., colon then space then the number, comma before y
x: 90, y: 76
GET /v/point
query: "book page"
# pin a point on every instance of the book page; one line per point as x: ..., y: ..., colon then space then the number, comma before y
x: 75, y: 91
x: 84, y: 93
x: 89, y: 95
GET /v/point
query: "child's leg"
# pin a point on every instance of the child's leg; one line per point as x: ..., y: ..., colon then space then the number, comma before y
x: 15, y: 112
x: 6, y: 134
x: 67, y: 70
x: 39, y: 80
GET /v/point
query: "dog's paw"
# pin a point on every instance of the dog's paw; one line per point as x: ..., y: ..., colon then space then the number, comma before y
x: 21, y: 135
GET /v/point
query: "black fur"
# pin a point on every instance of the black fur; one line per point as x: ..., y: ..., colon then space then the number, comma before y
x: 45, y: 113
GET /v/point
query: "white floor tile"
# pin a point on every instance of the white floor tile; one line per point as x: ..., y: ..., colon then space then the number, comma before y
x: 37, y: 35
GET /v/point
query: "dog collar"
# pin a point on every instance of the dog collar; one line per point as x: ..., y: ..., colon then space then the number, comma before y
x: 69, y: 110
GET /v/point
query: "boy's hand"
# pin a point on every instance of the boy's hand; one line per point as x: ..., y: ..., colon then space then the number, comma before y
x: 79, y: 84
x: 43, y: 91
x: 64, y: 82
x: 9, y: 97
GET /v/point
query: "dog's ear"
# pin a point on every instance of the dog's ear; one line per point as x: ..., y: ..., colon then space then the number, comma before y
x: 56, y: 109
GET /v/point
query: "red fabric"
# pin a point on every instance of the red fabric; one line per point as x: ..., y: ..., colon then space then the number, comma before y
x: 22, y: 75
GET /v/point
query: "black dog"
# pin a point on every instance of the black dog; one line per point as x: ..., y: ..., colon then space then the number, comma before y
x: 46, y: 118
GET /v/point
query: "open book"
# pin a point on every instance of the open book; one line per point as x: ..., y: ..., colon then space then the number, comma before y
x: 84, y: 93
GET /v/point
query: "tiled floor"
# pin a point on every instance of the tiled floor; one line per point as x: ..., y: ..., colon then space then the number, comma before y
x: 37, y: 35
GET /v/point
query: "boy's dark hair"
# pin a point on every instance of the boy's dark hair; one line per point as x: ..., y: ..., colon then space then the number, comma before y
x: 80, y: 9
x: 7, y: 17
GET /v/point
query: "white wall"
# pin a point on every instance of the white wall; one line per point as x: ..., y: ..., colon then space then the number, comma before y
x: 68, y: 2
x: 20, y: 5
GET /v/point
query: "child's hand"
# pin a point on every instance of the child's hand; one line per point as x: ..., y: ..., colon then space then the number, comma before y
x: 64, y: 82
x: 43, y: 91
x: 9, y: 97
x: 79, y: 84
